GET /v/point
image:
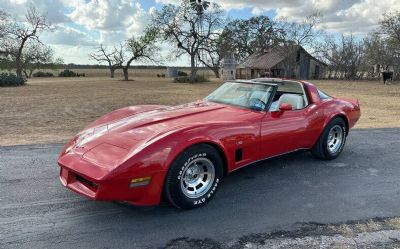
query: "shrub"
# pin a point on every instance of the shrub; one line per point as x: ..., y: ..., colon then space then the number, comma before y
x: 186, y: 79
x: 42, y: 74
x: 11, y: 80
x: 181, y: 74
x: 69, y: 73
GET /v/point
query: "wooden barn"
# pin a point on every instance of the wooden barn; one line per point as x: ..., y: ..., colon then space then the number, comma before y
x: 294, y: 62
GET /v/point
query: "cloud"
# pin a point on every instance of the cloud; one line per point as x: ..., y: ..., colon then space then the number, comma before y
x: 115, y: 20
x: 73, y: 54
x: 65, y: 35
x: 109, y: 15
x: 54, y: 9
x: 257, y: 11
x: 355, y: 16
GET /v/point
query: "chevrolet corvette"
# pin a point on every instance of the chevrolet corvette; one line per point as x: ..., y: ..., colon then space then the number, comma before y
x: 144, y: 154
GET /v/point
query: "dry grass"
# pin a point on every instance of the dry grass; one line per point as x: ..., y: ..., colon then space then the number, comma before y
x: 53, y: 110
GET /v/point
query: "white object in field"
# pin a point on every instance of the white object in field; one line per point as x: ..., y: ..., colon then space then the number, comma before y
x: 228, y: 67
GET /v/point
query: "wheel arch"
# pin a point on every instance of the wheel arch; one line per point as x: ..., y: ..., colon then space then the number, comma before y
x: 221, y: 154
x: 342, y: 116
x: 218, y: 148
x: 346, y: 121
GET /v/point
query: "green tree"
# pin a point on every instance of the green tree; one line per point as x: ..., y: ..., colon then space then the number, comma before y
x: 190, y: 30
x: 140, y: 48
x: 245, y: 37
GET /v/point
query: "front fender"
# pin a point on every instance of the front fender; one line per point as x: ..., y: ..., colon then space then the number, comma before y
x: 165, y: 147
x: 154, y: 157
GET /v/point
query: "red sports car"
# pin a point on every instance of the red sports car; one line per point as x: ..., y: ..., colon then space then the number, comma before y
x: 140, y: 154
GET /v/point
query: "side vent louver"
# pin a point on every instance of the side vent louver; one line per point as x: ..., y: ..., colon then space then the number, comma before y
x: 238, y: 155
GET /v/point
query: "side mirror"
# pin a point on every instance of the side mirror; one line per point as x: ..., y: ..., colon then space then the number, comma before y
x: 285, y: 107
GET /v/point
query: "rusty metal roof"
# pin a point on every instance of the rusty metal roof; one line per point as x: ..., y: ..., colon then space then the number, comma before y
x: 269, y: 59
x: 264, y: 60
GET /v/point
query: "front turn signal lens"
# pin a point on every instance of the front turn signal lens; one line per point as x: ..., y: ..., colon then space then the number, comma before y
x: 137, y: 182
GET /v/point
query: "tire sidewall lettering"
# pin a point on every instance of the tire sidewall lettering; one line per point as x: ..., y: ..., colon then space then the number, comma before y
x: 208, y: 195
x: 203, y: 199
x: 175, y: 187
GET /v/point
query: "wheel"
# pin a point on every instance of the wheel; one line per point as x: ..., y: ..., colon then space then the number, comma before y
x: 194, y: 177
x: 332, y: 141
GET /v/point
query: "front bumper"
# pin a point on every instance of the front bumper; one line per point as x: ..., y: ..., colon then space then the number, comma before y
x: 96, y: 183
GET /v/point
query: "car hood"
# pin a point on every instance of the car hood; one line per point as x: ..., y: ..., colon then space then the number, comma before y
x: 188, y: 113
x: 143, y: 125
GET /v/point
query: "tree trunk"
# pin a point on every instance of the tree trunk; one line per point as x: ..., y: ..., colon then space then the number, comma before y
x: 216, y: 73
x: 112, y: 71
x: 26, y: 74
x: 18, y: 67
x: 18, y: 63
x: 193, y: 68
x: 125, y: 70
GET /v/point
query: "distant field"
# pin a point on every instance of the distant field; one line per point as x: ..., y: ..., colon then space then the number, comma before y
x: 54, y: 109
x: 132, y: 72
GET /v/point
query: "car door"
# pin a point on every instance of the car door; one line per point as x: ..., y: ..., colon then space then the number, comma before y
x: 282, y: 132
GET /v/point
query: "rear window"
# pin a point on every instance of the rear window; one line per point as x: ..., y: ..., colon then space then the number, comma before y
x: 323, y: 95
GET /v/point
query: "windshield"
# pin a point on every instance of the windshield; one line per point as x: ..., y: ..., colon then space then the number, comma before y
x: 252, y: 96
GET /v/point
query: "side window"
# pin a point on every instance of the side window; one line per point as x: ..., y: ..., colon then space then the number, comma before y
x: 292, y: 93
x: 323, y: 95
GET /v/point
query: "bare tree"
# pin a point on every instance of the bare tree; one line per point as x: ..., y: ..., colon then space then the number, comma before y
x: 4, y: 22
x: 390, y: 26
x: 301, y: 33
x: 36, y: 56
x: 378, y: 51
x: 213, y: 52
x: 142, y: 48
x: 112, y: 58
x: 345, y: 57
x: 293, y: 37
x: 389, y: 42
x: 18, y: 34
x: 211, y: 57
x: 184, y: 26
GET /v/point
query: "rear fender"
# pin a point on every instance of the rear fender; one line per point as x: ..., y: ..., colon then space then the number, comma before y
x: 340, y: 114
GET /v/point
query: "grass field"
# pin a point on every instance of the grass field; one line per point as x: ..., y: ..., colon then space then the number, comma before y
x: 54, y: 109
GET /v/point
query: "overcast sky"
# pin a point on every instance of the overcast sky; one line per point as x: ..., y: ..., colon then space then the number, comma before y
x: 81, y: 24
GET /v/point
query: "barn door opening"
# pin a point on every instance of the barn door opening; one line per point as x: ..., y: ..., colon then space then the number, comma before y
x: 316, y: 73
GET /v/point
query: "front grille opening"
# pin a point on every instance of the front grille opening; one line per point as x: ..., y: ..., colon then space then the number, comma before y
x: 86, y: 181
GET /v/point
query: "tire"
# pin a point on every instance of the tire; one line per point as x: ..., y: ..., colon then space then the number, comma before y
x: 194, y: 177
x: 332, y: 140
